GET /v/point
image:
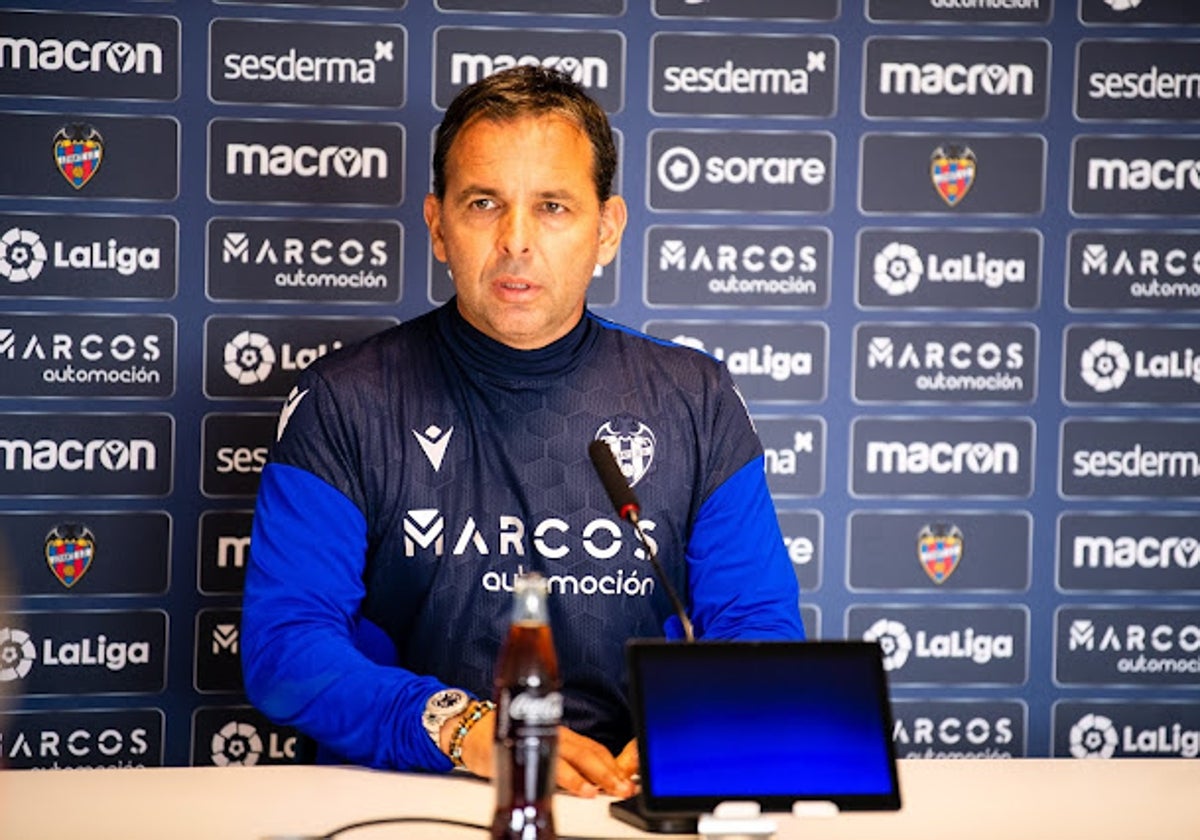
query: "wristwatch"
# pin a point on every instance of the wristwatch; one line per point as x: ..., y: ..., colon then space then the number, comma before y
x: 442, y: 706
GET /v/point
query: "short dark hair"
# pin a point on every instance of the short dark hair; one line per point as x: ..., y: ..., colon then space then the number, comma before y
x: 528, y: 90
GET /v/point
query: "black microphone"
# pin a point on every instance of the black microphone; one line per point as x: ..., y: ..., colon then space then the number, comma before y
x: 626, y: 504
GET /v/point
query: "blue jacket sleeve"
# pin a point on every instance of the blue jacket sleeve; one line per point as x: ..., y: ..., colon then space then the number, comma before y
x: 741, y: 579
x: 300, y: 664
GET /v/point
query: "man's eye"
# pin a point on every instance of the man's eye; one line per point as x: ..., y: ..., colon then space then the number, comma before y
x: 555, y: 207
x: 483, y: 204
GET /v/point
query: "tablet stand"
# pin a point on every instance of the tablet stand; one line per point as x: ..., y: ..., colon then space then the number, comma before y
x: 735, y: 819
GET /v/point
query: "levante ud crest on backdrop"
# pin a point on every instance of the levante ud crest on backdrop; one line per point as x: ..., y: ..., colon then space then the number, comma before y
x: 69, y: 549
x: 78, y: 152
x: 952, y: 169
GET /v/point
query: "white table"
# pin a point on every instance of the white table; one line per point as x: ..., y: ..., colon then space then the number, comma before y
x: 1022, y: 799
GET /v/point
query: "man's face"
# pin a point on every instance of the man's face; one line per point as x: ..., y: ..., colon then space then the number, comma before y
x: 521, y: 227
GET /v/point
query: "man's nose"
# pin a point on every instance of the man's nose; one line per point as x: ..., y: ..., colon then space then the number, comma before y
x: 516, y: 232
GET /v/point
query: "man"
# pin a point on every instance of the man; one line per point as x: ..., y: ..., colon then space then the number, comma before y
x: 418, y: 472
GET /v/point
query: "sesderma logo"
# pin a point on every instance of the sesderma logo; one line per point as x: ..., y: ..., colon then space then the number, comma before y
x: 774, y: 75
x: 338, y: 64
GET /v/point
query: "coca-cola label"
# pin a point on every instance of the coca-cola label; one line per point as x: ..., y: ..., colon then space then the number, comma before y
x: 536, y: 710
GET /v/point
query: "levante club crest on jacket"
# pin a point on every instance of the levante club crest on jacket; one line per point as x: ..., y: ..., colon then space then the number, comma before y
x: 70, y: 549
x: 632, y: 443
x: 78, y: 151
x: 952, y: 169
x: 940, y: 549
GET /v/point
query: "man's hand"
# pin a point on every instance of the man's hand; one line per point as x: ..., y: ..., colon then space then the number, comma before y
x: 585, y: 768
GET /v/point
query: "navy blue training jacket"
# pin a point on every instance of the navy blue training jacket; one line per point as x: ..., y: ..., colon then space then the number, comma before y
x: 417, y: 472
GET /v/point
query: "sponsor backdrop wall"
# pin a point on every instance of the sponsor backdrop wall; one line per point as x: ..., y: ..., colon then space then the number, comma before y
x: 948, y: 249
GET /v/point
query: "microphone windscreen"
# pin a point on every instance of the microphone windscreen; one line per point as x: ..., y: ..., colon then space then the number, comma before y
x: 619, y: 492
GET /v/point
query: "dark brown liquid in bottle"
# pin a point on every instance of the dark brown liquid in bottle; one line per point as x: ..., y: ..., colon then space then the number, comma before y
x: 528, y: 710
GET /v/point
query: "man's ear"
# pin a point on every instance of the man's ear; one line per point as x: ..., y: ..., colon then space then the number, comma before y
x: 613, y: 217
x: 433, y: 220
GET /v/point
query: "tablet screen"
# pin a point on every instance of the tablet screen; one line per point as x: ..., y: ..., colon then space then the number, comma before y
x: 773, y: 722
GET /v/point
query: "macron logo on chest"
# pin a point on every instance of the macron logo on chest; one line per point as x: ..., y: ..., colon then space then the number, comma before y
x: 433, y: 443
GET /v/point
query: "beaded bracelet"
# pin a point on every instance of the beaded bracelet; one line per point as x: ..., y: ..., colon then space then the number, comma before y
x: 475, y: 712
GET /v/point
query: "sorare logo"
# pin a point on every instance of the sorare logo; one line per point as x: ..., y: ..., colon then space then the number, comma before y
x: 754, y: 171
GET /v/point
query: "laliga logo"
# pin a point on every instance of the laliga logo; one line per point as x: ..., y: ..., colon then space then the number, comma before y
x: 249, y: 358
x: 16, y: 654
x: 1104, y: 365
x: 22, y: 255
x: 1093, y: 736
x: 236, y: 744
x: 898, y: 268
x: 893, y: 640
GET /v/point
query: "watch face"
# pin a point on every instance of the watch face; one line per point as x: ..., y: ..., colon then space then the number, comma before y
x: 448, y: 699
